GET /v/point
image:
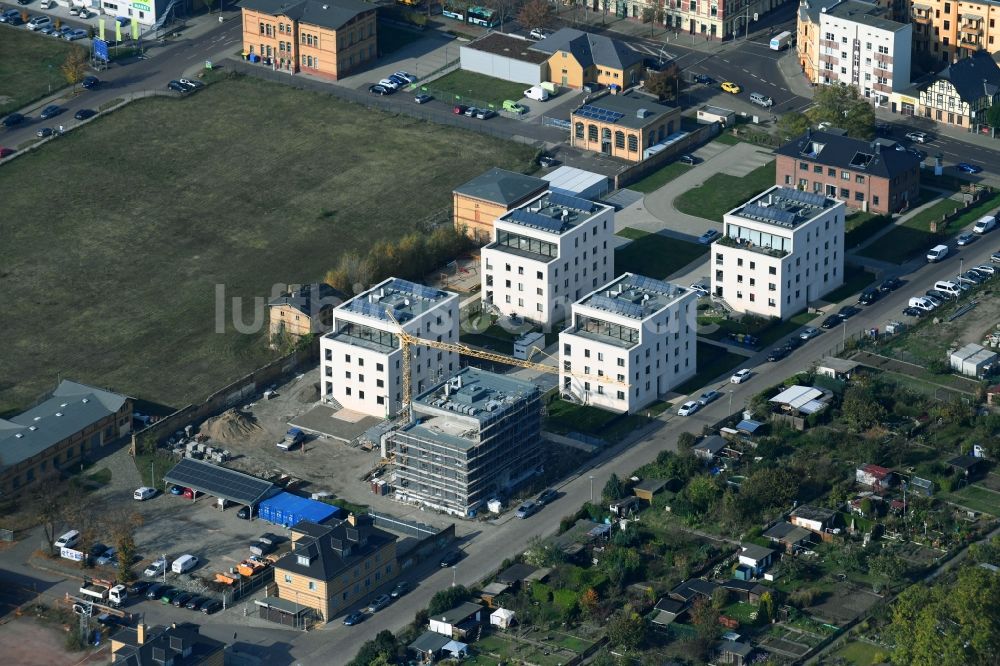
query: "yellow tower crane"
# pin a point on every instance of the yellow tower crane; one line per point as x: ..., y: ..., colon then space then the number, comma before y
x: 407, y: 339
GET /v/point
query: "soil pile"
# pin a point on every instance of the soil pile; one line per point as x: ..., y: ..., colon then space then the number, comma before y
x: 232, y: 427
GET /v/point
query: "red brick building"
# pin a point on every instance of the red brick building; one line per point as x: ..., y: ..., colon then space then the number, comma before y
x: 867, y: 175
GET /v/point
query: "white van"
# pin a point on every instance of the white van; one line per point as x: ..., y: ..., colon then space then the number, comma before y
x: 538, y: 93
x: 761, y: 99
x: 937, y: 253
x: 47, y: 4
x: 184, y: 563
x: 922, y: 303
x: 949, y: 288
x: 68, y: 540
x: 985, y: 224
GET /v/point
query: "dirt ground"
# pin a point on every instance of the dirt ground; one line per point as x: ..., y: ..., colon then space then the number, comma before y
x: 846, y: 603
x: 24, y: 642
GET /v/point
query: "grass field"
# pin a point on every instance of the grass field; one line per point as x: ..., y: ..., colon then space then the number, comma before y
x: 766, y: 330
x: 856, y: 279
x: 713, y: 361
x: 472, y: 88
x: 977, y: 499
x: 29, y: 67
x: 654, y: 255
x: 722, y: 192
x: 859, y: 227
x: 856, y: 653
x: 659, y: 178
x: 114, y: 271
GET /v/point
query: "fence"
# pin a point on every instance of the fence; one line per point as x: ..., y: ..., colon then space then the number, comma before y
x: 402, y: 103
x: 637, y: 172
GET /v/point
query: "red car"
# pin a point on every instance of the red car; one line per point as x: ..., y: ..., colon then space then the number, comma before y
x: 4, y: 152
x: 459, y: 109
x: 191, y: 494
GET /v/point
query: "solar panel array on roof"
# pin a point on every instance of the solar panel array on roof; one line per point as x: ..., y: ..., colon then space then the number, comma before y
x: 651, y: 284
x: 810, y: 198
x: 415, y: 289
x: 782, y: 217
x: 569, y: 201
x: 537, y: 220
x: 597, y: 113
x: 218, y: 481
x: 616, y: 305
x: 373, y: 310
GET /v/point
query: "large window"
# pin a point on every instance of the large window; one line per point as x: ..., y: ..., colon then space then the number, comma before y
x: 633, y: 143
x: 608, y: 329
x: 759, y: 238
x: 527, y: 244
x: 592, y: 132
x: 369, y: 334
x: 619, y: 139
x: 579, y: 130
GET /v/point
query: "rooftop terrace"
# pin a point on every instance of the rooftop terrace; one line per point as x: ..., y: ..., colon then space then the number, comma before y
x: 404, y: 299
x: 783, y: 207
x: 634, y: 296
x: 553, y: 212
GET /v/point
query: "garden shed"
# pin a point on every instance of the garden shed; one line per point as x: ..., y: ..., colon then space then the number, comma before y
x: 502, y: 618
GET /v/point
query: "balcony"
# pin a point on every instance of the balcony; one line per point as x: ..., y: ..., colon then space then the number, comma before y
x: 729, y: 241
x: 970, y: 29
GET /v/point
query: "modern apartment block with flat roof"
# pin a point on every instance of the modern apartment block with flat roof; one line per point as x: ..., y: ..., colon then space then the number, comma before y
x: 473, y: 436
x: 361, y: 357
x: 778, y: 252
x: 637, y: 332
x: 545, y: 255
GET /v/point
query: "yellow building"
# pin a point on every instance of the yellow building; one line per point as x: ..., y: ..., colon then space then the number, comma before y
x: 949, y: 30
x: 629, y: 126
x: 177, y: 644
x: 333, y: 567
x: 303, y: 312
x: 479, y: 202
x: 329, y: 38
x: 578, y: 58
x: 961, y: 93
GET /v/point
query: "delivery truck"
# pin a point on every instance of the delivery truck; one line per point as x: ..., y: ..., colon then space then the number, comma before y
x: 103, y: 591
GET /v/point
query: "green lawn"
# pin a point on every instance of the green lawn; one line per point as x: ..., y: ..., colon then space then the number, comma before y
x: 856, y: 279
x: 859, y: 227
x: 977, y: 498
x: 29, y: 67
x: 726, y: 138
x: 475, y: 89
x: 654, y: 255
x: 722, y: 192
x: 713, y: 361
x: 659, y: 178
x: 122, y: 278
x: 767, y: 330
x: 857, y: 653
x: 565, y: 417
x: 914, y: 235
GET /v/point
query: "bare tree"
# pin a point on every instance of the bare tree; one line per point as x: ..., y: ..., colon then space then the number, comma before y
x: 122, y: 524
x: 536, y: 14
x: 504, y: 9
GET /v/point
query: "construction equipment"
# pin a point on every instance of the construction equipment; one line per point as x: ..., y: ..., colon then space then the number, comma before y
x: 407, y: 339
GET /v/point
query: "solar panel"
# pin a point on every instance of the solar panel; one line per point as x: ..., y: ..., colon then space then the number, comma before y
x: 651, y: 284
x: 617, y: 306
x: 568, y: 201
x: 218, y: 481
x: 530, y: 219
x: 810, y: 198
x: 416, y: 289
x: 597, y: 113
x: 782, y: 217
x: 373, y: 310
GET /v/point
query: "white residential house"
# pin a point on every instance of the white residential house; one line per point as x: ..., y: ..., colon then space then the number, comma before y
x: 547, y: 254
x: 637, y: 332
x: 779, y: 252
x: 361, y: 356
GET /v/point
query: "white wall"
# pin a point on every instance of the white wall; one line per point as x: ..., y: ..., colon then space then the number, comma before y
x: 502, y: 67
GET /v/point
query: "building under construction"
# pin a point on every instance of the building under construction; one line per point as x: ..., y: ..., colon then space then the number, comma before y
x: 472, y: 438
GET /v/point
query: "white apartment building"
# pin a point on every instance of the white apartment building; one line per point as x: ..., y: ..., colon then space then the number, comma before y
x: 545, y: 254
x: 361, y: 357
x: 637, y: 332
x: 779, y: 252
x: 851, y: 42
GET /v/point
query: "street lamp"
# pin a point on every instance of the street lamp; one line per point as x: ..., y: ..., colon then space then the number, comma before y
x: 730, y: 402
x: 454, y: 575
x: 591, y: 488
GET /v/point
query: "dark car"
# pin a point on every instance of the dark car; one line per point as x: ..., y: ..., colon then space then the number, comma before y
x: 965, y: 167
x: 451, y: 559
x: 847, y: 312
x: 176, y: 490
x: 423, y: 98
x: 831, y: 321
x: 459, y: 109
x: 378, y: 89
x: 91, y: 82
x: 353, y: 619
x: 940, y: 295
x: 51, y: 111
x: 546, y: 496
x: 44, y: 132
x: 913, y: 312
x: 778, y: 353
x: 177, y: 86
x: 156, y: 590
x: 485, y: 114
x: 890, y: 284
x: 547, y: 161
x: 139, y: 587
x: 195, y: 602
x: 966, y: 239
x: 83, y: 114
x: 972, y: 276
x: 869, y: 296
x: 181, y: 599
x: 794, y: 343
x: 246, y: 512
x: 96, y: 550
x: 211, y: 606
x: 167, y: 596
x: 13, y: 119
x: 704, y: 78
x: 401, y: 588
x: 7, y: 152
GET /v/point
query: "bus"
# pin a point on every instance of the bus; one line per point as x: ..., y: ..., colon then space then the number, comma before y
x: 484, y: 17
x: 779, y: 42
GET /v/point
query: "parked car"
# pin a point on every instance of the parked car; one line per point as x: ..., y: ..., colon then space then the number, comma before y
x: 709, y: 396
x: 921, y: 303
x: 6, y: 152
x: 965, y: 167
x: 191, y: 84
x: 388, y: 83
x: 91, y: 82
x: 398, y: 80
x: 730, y: 87
x: 511, y: 106
x: 966, y: 239
x: 401, y: 588
x: 380, y: 602
x: 144, y: 493
x: 471, y: 111
x: 701, y: 289
x: 847, y: 312
x: 96, y: 550
x: 831, y: 321
x: 794, y: 343
x: 527, y: 510
x: 686, y: 159
x: 190, y: 494
x: 379, y: 89
x: 709, y: 236
x: 704, y: 79
x: 177, y: 86
x: 156, y: 590
x: 985, y: 268
x: 107, y: 557
x: 913, y: 312
x: 971, y: 277
x: 13, y: 120
x: 546, y: 496
x: 688, y: 408
x: 539, y: 33
x: 195, y: 602
x: 423, y: 98
x: 548, y: 161
x: 916, y: 152
x: 809, y: 333
x: 210, y: 606
x: 778, y: 353
x: 39, y: 22
x: 741, y: 376
x: 459, y: 109
x: 940, y: 295
x: 935, y: 301
x: 890, y: 284
x: 918, y: 137
x: 353, y: 619
x: 156, y: 567
x: 139, y: 587
x: 168, y: 595
x: 995, y: 257
x: 246, y: 512
x: 182, y: 599
x: 485, y: 114
x: 44, y: 132
x: 83, y: 114
x: 451, y: 559
x: 406, y: 76
x: 75, y: 34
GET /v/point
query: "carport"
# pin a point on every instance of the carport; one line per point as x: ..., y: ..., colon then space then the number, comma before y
x: 283, y: 611
x: 227, y: 484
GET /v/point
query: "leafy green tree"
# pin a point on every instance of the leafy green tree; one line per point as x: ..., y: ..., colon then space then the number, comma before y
x: 770, y: 487
x: 792, y: 124
x: 765, y: 607
x: 627, y: 629
x: 705, y: 619
x: 685, y: 441
x: 888, y: 566
x: 702, y: 492
x: 664, y: 84
x: 621, y: 565
x: 844, y: 107
x: 861, y: 408
x: 720, y: 598
x: 614, y: 489
x: 446, y: 599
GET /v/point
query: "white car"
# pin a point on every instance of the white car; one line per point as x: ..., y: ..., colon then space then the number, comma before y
x: 389, y: 83
x: 809, y: 333
x: 741, y: 376
x: 700, y: 288
x: 156, y: 567
x: 144, y: 493
x: 688, y: 408
x: 39, y: 22
x: 985, y: 268
x: 922, y: 303
x: 918, y: 137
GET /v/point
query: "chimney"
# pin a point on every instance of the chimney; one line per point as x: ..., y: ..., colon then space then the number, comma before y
x: 140, y: 633
x: 352, y: 520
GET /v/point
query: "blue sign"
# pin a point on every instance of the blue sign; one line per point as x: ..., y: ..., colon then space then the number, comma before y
x: 101, y: 49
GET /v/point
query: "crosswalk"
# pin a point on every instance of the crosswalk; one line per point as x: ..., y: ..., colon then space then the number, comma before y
x: 647, y: 50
